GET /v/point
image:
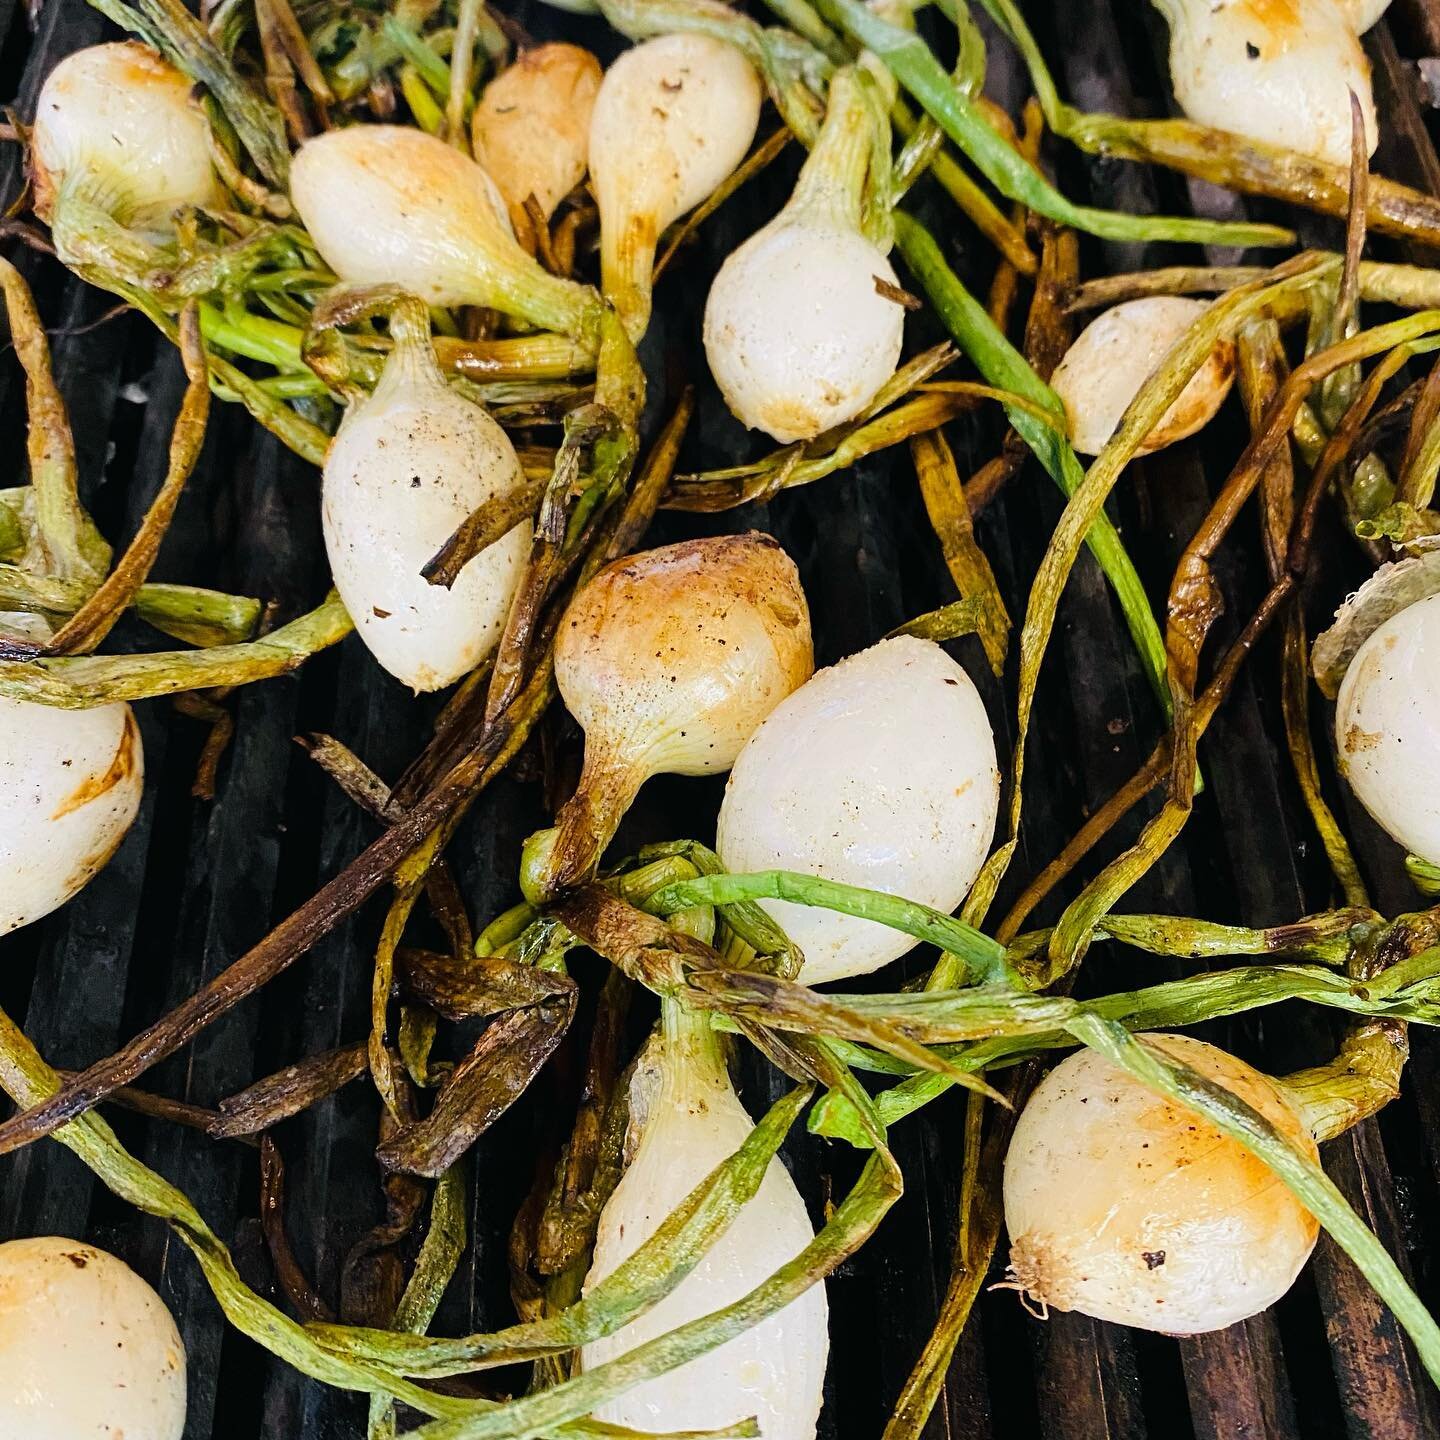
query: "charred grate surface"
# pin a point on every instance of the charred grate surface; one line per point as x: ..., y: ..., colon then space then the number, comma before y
x: 195, y: 883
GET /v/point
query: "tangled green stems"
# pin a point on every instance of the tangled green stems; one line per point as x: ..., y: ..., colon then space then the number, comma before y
x: 78, y: 682
x: 27, y: 1079
x: 982, y: 957
x: 643, y: 1280
x: 914, y: 65
x: 1004, y: 367
x: 1090, y: 1026
x: 338, y: 1356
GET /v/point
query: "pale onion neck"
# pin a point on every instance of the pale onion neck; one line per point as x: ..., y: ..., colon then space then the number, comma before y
x: 832, y: 183
x: 692, y: 1051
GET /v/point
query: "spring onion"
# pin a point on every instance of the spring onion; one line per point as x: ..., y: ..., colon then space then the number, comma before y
x: 1115, y: 355
x: 118, y: 128
x: 674, y: 117
x: 1282, y: 74
x: 387, y: 205
x: 1387, y: 726
x: 799, y: 332
x: 685, y: 1119
x: 70, y: 784
x: 879, y: 772
x: 531, y: 129
x: 1131, y: 1209
x: 409, y: 463
x: 669, y: 660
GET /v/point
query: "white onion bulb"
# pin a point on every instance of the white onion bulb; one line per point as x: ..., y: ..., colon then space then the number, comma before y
x: 408, y: 464
x: 531, y: 129
x: 1113, y: 357
x: 689, y: 1124
x: 87, y: 1348
x: 391, y: 205
x: 1387, y: 726
x: 120, y: 128
x: 879, y: 771
x: 669, y: 660
x: 675, y: 115
x: 1279, y: 73
x: 70, y: 785
x: 1134, y: 1210
x: 797, y: 335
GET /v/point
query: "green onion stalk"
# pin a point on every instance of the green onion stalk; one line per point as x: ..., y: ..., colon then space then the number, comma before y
x: 334, y: 1357
x: 1331, y: 1098
x: 78, y: 682
x: 56, y: 564
x: 998, y: 361
x: 1233, y: 161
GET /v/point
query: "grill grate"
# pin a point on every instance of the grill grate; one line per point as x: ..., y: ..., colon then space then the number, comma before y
x: 196, y: 883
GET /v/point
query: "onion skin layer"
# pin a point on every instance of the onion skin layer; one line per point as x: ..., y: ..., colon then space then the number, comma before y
x: 87, y: 1348
x: 1117, y: 352
x: 880, y: 772
x: 1387, y: 726
x: 121, y: 127
x: 1133, y: 1210
x: 70, y: 787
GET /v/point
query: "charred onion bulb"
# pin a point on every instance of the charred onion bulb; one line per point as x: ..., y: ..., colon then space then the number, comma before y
x: 879, y: 771
x: 1277, y: 71
x: 1131, y: 1209
x: 87, y: 1348
x: 389, y: 205
x: 531, y: 129
x: 1387, y: 726
x: 408, y: 464
x: 688, y: 1120
x: 669, y: 660
x: 797, y: 332
x: 70, y: 783
x: 675, y: 115
x: 1113, y: 357
x: 119, y: 128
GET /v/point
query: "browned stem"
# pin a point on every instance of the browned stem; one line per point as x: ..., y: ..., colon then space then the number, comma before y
x: 588, y: 820
x: 286, y: 1093
x: 486, y: 524
x: 94, y: 620
x: 295, y: 934
x: 1048, y: 333
x: 1154, y: 770
x: 1256, y: 169
x: 303, y: 1296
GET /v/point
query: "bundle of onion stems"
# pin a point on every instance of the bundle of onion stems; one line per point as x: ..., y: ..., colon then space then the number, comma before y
x: 422, y: 252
